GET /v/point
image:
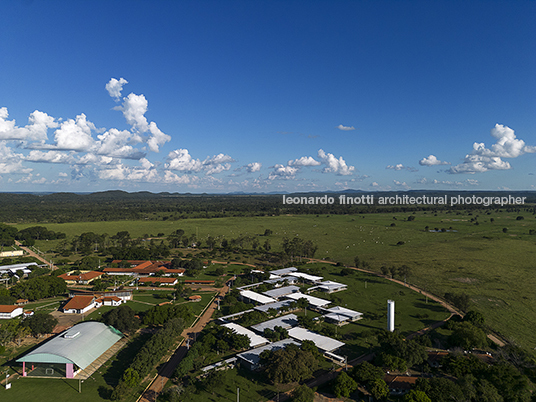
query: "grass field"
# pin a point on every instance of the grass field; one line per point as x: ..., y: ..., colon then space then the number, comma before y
x: 495, y: 268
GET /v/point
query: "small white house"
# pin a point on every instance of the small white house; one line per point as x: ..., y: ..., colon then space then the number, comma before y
x: 7, y: 311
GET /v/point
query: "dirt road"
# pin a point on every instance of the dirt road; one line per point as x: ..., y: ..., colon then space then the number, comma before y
x: 35, y: 255
x: 189, y: 334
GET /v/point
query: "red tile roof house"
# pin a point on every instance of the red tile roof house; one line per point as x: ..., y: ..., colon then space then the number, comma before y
x: 110, y: 301
x: 81, y: 304
x: 9, y: 311
x: 158, y: 279
x: 146, y: 268
x: 83, y: 278
x: 400, y: 384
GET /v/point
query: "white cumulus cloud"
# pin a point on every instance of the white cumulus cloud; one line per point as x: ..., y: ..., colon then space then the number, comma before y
x: 483, y: 159
x: 304, y: 161
x: 283, y: 172
x: 334, y: 164
x: 75, y: 134
x: 253, y: 167
x: 432, y: 161
x: 114, y: 87
x: 36, y: 130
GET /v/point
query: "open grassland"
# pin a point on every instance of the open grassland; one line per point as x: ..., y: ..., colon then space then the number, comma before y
x: 497, y: 269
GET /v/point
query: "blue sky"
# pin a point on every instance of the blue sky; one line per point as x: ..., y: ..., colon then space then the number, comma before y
x: 222, y: 96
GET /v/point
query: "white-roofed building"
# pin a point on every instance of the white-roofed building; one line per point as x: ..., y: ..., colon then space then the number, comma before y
x: 328, y: 287
x: 284, y: 271
x: 254, y: 339
x: 278, y: 306
x: 307, y: 277
x: 285, y: 321
x: 255, y: 297
x: 342, y: 315
x: 322, y: 342
x: 280, y: 292
x: 251, y: 359
x: 280, y: 281
x: 314, y: 302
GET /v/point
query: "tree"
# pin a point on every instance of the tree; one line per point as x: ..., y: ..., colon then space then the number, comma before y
x: 40, y: 323
x: 344, y: 385
x: 303, y: 394
x: 131, y: 377
x: 416, y: 396
x: 474, y: 317
x: 467, y: 336
x: 378, y: 388
x: 366, y: 373
x: 289, y: 364
x: 122, y: 318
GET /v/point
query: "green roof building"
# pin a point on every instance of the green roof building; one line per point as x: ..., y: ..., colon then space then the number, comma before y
x: 77, y: 347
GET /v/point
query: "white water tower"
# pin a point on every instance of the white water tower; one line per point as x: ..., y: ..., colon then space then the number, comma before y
x: 390, y: 315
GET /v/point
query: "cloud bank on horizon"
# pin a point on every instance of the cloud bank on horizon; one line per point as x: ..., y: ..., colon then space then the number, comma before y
x: 124, y: 156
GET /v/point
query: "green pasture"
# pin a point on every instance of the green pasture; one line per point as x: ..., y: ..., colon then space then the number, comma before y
x: 495, y: 268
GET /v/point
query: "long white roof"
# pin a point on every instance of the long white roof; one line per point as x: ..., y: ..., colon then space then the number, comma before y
x: 284, y: 271
x: 322, y: 342
x: 315, y: 301
x: 283, y: 291
x: 254, y: 339
x: 308, y: 277
x: 257, y: 297
x: 344, y: 311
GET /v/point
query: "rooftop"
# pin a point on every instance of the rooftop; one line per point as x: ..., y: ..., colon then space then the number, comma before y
x: 322, y: 342
x: 259, y: 298
x: 82, y: 344
x: 307, y: 277
x: 314, y: 301
x: 284, y: 271
x: 79, y: 302
x: 344, y: 312
x: 8, y: 308
x: 283, y: 291
x: 276, y: 306
x: 285, y: 321
x: 254, y: 339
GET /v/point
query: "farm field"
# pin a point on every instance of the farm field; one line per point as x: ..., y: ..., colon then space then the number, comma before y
x: 494, y: 267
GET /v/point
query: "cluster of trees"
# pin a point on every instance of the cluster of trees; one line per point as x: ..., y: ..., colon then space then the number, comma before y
x: 14, y: 330
x: 213, y: 339
x: 290, y: 364
x: 8, y: 235
x: 459, y: 300
x: 299, y: 248
x: 193, y: 267
x: 477, y: 382
x: 39, y: 288
x: 122, y: 318
x: 158, y: 315
x: 148, y: 356
x: 29, y: 235
x: 277, y: 334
